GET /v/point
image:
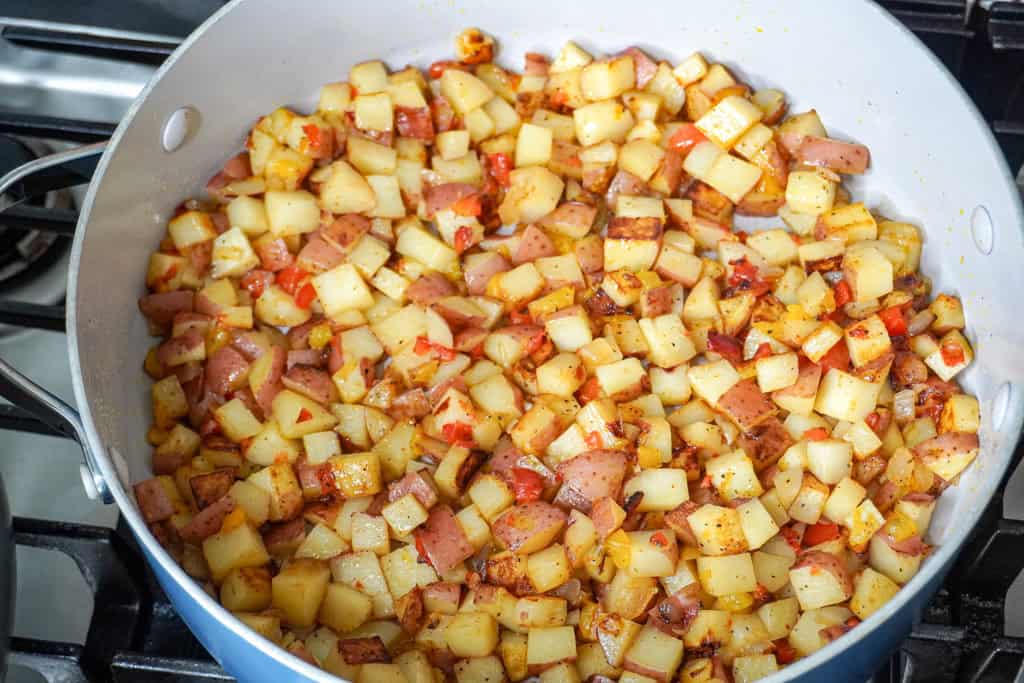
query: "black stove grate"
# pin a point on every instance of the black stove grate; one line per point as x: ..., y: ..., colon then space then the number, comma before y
x: 135, y: 634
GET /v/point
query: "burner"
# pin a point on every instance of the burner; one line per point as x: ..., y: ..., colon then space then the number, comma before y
x: 33, y: 263
x: 23, y: 253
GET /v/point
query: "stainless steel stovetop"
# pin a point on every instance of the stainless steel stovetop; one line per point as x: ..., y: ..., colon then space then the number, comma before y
x: 41, y: 473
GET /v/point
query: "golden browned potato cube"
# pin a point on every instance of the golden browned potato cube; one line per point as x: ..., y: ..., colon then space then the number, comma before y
x: 246, y: 589
x: 234, y: 549
x: 472, y: 634
x: 344, y: 608
x: 299, y: 589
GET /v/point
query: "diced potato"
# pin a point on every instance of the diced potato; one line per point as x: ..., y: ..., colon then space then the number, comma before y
x: 291, y: 213
x: 464, y: 91
x: 654, y: 654
x: 718, y: 530
x: 953, y: 354
x: 246, y: 589
x: 606, y: 79
x: 344, y: 609
x: 818, y: 586
x: 948, y: 312
x: 845, y: 497
x: 370, y: 534
x: 452, y: 144
x: 472, y: 634
x: 899, y: 567
x: 845, y: 397
x: 357, y: 474
x: 299, y: 589
x: 534, y: 193
x: 548, y: 568
x: 416, y: 243
x: 868, y: 272
x: 712, y: 380
x: 871, y: 590
x: 806, y: 635
x: 757, y: 524
x: 772, y: 571
x: 777, y: 372
x: 561, y: 376
x: 732, y: 176
x: 297, y: 415
x: 809, y: 502
x: 662, y: 489
x: 728, y: 120
x: 726, y: 574
x: 753, y: 667
x: 600, y: 121
x: 404, y: 514
x: 733, y: 475
x: 547, y: 646
x: 779, y: 617
x: 669, y: 342
x: 829, y: 460
x: 491, y: 495
x: 810, y: 192
x: 863, y: 522
x: 533, y: 145
x: 191, y: 228
x: 960, y: 414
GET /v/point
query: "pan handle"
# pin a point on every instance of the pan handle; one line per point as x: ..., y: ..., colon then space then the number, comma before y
x: 72, y: 166
x: 56, y: 413
x: 19, y: 389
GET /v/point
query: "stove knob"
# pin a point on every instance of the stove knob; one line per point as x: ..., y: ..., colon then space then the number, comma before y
x: 88, y: 483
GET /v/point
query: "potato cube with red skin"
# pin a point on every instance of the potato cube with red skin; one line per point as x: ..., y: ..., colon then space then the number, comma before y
x: 529, y: 527
x: 443, y: 540
x: 590, y: 476
x: 746, y: 405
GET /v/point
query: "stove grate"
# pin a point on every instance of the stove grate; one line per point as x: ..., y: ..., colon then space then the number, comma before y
x: 135, y: 634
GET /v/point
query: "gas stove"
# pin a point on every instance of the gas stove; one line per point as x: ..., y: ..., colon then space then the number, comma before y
x: 88, y: 609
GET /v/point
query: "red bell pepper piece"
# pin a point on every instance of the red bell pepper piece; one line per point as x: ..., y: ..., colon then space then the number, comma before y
x: 816, y: 434
x: 526, y: 484
x: 686, y: 137
x: 820, y: 532
x: 894, y: 320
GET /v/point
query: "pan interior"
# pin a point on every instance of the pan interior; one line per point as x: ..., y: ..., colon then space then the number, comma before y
x: 933, y: 161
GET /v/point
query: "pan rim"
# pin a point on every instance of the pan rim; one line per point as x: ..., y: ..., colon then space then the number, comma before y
x: 936, y: 565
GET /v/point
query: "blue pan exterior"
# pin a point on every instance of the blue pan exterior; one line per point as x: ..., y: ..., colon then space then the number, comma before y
x: 249, y: 663
x: 238, y: 656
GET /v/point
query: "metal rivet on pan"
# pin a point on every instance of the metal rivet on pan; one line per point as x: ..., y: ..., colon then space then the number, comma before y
x: 981, y: 229
x: 1001, y: 405
x: 179, y: 127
